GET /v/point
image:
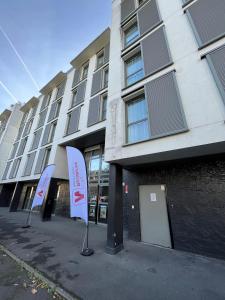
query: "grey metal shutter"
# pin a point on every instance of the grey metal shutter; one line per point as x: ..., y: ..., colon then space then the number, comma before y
x: 13, y: 169
x: 22, y: 146
x: 76, y: 77
x: 165, y: 109
x: 216, y: 60
x: 52, y: 111
x: 94, y: 111
x: 44, y: 102
x: 106, y: 53
x: 74, y: 121
x: 96, y: 82
x: 38, y: 167
x: 36, y: 140
x: 6, y: 170
x: 42, y: 117
x: 15, y: 147
x: 208, y: 20
x: 148, y: 17
x: 81, y: 89
x: 127, y: 7
x: 46, y: 134
x: 155, y: 52
x: 29, y: 164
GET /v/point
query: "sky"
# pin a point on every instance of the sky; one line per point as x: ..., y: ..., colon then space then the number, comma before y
x: 39, y: 38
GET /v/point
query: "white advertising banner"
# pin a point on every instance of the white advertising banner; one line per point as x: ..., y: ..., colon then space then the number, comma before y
x: 43, y: 185
x: 78, y: 184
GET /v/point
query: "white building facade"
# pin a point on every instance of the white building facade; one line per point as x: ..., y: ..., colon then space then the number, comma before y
x: 148, y: 114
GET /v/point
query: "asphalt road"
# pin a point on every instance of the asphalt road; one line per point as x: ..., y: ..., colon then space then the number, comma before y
x: 16, y: 283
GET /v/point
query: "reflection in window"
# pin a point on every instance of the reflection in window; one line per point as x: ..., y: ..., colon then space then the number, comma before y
x: 137, y: 120
x: 134, y: 69
x: 131, y: 34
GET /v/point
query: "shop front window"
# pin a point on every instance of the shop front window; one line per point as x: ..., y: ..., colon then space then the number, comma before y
x: 98, y: 175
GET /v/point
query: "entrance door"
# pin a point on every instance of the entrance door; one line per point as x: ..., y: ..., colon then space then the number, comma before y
x: 153, y: 215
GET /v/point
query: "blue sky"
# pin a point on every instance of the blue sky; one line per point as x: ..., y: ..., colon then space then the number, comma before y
x: 47, y: 34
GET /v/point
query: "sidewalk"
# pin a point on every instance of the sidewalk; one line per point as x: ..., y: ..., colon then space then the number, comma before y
x: 138, y: 272
x: 17, y: 284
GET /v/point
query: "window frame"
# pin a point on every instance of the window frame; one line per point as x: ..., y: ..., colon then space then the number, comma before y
x: 100, y: 53
x: 140, y: 96
x: 85, y: 66
x: 129, y: 58
x: 103, y: 97
x: 52, y: 131
x: 105, y: 70
x: 46, y: 158
x: 128, y: 27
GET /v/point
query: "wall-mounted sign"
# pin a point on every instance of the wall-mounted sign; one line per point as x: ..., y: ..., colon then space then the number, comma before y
x: 153, y: 197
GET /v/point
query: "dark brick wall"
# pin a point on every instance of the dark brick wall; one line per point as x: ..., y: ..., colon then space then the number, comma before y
x: 195, y: 198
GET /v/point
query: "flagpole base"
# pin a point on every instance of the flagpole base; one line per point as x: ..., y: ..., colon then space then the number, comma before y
x: 26, y: 226
x: 87, y: 252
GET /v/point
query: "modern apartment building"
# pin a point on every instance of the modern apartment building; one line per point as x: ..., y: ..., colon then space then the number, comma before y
x: 71, y: 110
x: 9, y: 124
x: 148, y: 113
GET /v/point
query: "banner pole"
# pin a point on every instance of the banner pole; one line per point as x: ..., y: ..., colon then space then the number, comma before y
x: 87, y: 251
x: 27, y: 225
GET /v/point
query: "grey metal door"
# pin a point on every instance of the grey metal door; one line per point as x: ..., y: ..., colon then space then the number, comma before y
x: 153, y: 215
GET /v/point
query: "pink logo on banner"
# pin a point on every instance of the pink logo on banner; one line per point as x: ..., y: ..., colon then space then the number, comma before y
x: 43, y: 185
x: 78, y: 184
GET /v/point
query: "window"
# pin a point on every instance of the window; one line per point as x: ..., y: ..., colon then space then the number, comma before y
x: 100, y: 59
x: 103, y: 107
x: 46, y: 158
x: 105, y: 78
x: 85, y: 71
x: 140, y: 2
x: 73, y: 102
x: 58, y: 106
x: 60, y: 90
x: 46, y: 101
x: 134, y: 69
x: 29, y: 125
x: 131, y: 34
x: 137, y: 120
x: 15, y: 169
x: 52, y: 132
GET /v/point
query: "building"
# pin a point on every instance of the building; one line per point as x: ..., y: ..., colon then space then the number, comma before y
x: 149, y: 118
x: 71, y: 110
x: 9, y: 124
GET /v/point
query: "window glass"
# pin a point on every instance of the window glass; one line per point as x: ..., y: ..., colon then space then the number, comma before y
x: 104, y: 107
x: 100, y: 59
x: 134, y: 69
x: 85, y: 72
x: 58, y: 106
x: 52, y: 132
x: 131, y: 34
x: 137, y: 120
x: 46, y: 158
x: 106, y: 77
x: 74, y: 98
